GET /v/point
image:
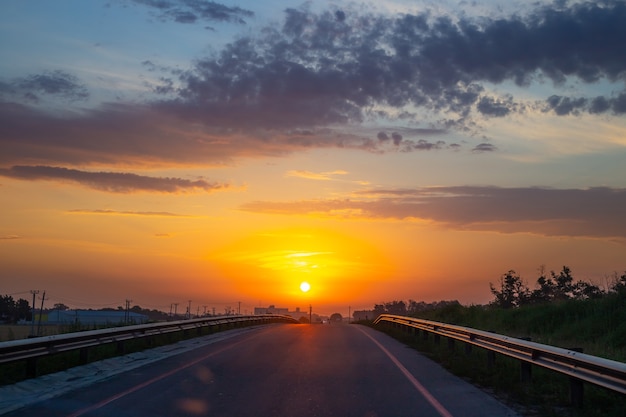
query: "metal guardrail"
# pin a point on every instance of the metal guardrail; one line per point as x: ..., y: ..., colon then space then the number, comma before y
x: 31, y: 349
x: 579, y: 366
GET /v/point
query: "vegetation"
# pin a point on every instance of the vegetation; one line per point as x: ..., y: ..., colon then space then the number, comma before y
x: 12, y: 311
x: 559, y: 311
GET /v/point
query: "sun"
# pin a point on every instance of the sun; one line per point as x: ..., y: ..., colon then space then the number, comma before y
x: 305, y: 286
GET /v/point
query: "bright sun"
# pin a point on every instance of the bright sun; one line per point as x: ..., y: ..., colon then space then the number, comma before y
x: 305, y: 286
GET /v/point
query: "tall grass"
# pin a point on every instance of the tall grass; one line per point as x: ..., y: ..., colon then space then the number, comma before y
x: 598, y: 326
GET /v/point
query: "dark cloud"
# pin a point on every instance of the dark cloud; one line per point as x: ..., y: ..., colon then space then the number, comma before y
x: 484, y: 147
x: 490, y: 106
x: 319, y: 69
x: 113, y: 182
x: 190, y: 11
x: 52, y: 83
x: 296, y: 86
x: 593, y: 212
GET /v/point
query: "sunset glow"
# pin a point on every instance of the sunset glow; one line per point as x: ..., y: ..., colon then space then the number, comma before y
x: 229, y: 152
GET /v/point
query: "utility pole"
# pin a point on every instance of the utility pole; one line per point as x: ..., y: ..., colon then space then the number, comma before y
x: 239, y: 308
x: 175, y: 309
x: 310, y: 314
x: 32, y: 328
x: 127, y: 315
x: 43, y: 298
x: 189, y: 310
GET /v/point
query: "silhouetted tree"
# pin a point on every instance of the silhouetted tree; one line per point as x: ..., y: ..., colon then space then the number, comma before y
x: 396, y: 307
x: 12, y: 311
x: 336, y: 317
x: 619, y: 284
x: 512, y: 292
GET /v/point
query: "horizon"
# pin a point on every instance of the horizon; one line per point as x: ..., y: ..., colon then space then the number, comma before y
x: 226, y: 152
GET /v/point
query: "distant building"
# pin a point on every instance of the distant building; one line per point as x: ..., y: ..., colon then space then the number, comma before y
x: 298, y: 314
x: 93, y: 317
x: 359, y: 315
x: 270, y: 310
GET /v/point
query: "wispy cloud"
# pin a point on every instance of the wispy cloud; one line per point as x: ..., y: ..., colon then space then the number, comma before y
x: 593, y: 212
x: 51, y: 83
x: 322, y: 176
x: 113, y: 182
x: 192, y: 11
x: 127, y: 213
x: 9, y: 237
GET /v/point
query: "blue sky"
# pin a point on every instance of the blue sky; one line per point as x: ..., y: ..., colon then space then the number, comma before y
x: 501, y: 121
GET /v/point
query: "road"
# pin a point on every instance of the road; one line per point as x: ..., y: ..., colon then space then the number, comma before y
x: 281, y: 370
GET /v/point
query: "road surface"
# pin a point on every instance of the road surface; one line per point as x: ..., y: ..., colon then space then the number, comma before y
x: 281, y: 370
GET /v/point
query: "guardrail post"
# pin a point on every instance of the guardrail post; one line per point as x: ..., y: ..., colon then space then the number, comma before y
x: 31, y: 367
x: 576, y: 387
x: 491, y: 359
x: 450, y: 343
x: 526, y: 369
x: 83, y: 355
x: 468, y: 346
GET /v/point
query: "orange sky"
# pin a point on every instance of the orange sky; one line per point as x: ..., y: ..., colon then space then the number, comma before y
x: 357, y: 146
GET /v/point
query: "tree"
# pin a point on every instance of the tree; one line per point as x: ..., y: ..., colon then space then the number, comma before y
x: 396, y: 307
x: 12, y: 311
x: 619, y: 284
x: 512, y: 293
x: 60, y: 306
x: 336, y: 317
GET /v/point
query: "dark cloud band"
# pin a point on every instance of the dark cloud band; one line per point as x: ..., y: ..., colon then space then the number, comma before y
x: 111, y: 181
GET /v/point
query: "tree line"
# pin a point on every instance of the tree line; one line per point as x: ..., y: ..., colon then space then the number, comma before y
x: 400, y: 308
x: 12, y: 310
x: 512, y: 291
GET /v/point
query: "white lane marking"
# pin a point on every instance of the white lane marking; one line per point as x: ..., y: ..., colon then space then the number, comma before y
x: 429, y: 397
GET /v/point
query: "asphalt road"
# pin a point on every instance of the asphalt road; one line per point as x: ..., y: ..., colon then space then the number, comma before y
x: 282, y: 370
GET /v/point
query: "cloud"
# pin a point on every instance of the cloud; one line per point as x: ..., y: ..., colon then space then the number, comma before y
x: 9, y: 237
x: 127, y: 213
x: 484, y: 147
x: 304, y: 84
x: 112, y: 182
x: 191, y: 11
x: 593, y: 212
x: 321, y: 70
x: 323, y: 176
x: 51, y: 83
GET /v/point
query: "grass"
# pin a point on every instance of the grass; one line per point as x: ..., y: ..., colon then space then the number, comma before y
x: 597, y: 326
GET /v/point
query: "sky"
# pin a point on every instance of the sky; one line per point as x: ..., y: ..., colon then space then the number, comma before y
x: 221, y: 153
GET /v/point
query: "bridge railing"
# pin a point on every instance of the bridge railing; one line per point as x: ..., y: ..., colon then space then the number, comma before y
x: 578, y: 366
x: 32, y: 349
